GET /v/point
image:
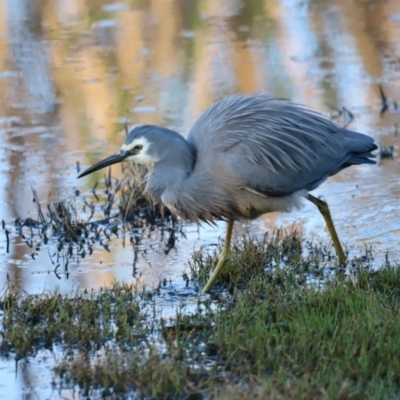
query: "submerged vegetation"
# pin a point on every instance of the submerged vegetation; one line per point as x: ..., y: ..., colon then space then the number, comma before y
x: 112, y: 209
x: 289, y: 325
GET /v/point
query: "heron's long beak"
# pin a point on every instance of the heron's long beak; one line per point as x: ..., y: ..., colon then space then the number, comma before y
x: 113, y: 159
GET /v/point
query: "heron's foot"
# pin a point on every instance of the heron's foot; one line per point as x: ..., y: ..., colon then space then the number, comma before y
x: 324, y: 210
x: 223, y: 260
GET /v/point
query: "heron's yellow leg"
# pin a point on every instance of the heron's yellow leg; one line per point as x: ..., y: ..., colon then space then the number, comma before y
x: 223, y: 258
x: 324, y: 210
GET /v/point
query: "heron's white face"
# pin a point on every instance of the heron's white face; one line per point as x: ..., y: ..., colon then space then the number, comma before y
x: 141, y: 146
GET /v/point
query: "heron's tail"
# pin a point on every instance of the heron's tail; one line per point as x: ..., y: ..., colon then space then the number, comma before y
x: 361, y: 147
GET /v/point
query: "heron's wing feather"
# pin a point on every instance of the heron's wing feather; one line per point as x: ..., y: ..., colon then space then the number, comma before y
x: 274, y: 147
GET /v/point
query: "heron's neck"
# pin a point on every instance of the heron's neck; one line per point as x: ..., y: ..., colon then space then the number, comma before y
x: 169, y: 173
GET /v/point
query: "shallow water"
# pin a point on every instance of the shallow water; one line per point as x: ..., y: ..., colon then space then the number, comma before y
x: 72, y: 73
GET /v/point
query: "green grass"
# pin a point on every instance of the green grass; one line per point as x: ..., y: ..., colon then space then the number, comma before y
x: 284, y: 323
x: 346, y: 334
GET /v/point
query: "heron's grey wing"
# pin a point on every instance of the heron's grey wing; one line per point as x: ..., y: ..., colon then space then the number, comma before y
x: 274, y: 147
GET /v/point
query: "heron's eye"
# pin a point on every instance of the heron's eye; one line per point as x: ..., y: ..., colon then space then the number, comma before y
x: 138, y: 147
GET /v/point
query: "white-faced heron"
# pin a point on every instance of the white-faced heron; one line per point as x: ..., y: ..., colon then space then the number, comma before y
x: 244, y: 157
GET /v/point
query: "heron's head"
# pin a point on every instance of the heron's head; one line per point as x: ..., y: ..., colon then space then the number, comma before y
x: 145, y: 144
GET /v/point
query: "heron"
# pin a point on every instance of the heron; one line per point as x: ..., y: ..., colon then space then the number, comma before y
x: 247, y: 155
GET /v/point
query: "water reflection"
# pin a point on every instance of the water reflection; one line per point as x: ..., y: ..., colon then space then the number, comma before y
x: 72, y: 74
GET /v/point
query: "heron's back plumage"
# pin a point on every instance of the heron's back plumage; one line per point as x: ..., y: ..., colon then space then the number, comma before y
x: 274, y: 147
x: 249, y: 155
